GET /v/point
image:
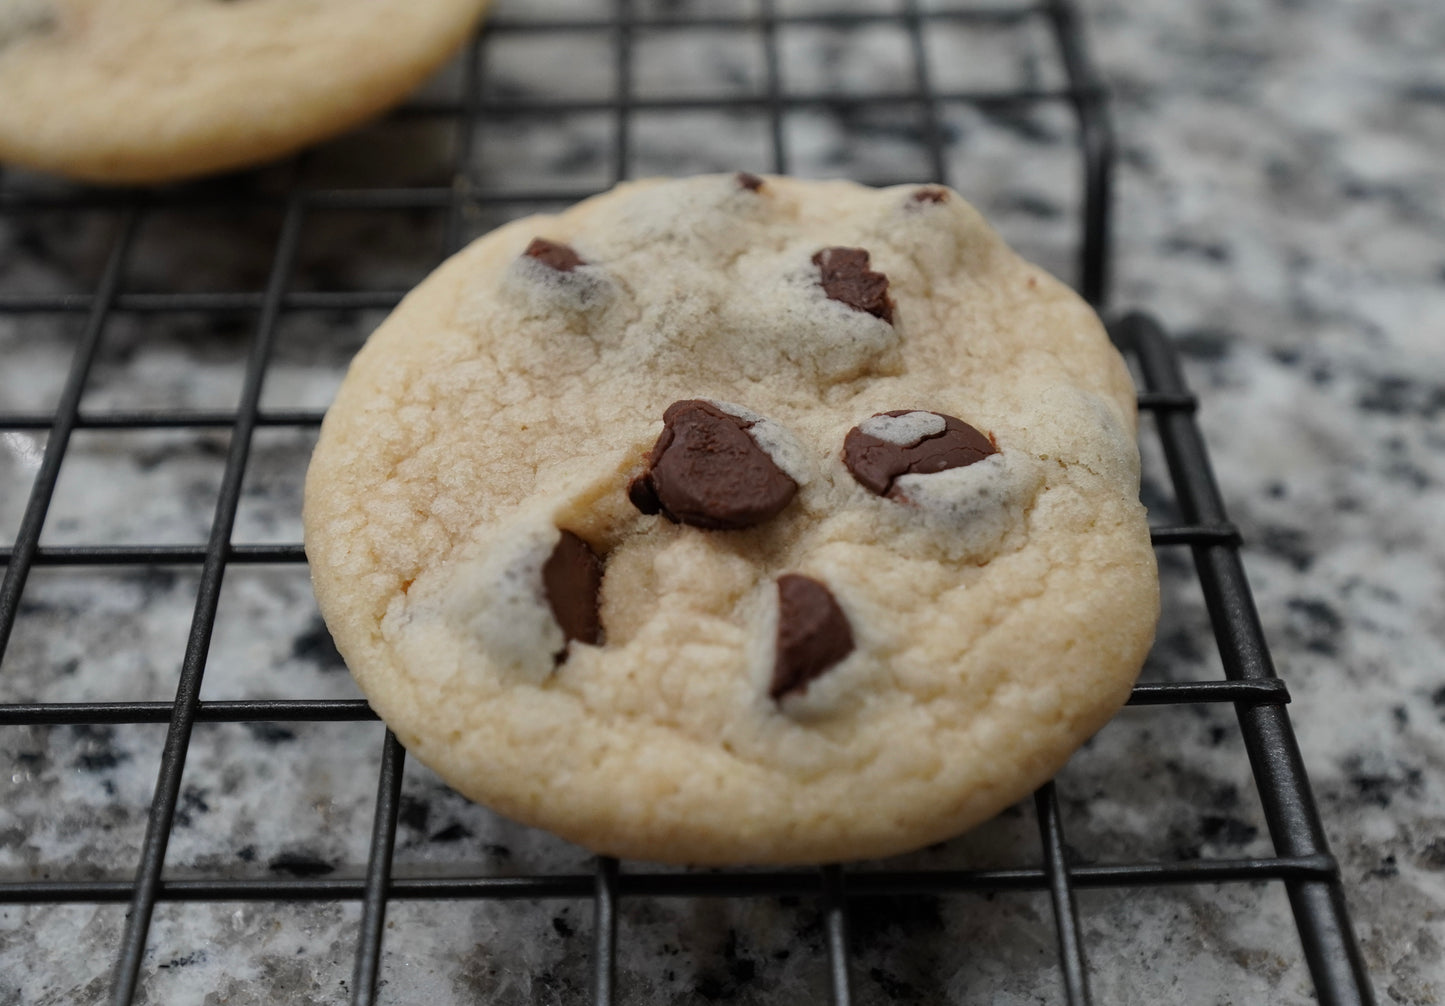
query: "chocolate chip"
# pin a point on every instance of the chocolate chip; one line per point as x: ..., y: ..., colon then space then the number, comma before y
x: 706, y: 470
x: 641, y: 494
x: 931, y: 194
x: 34, y: 18
x: 749, y: 181
x: 813, y: 634
x: 559, y: 256
x: 916, y: 446
x: 572, y: 577
x: 847, y: 279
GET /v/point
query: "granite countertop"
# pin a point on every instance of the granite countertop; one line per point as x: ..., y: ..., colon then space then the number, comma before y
x: 1280, y: 207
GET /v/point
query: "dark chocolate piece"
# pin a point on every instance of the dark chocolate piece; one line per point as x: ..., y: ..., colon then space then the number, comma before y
x: 572, y: 577
x: 847, y: 279
x: 749, y: 181
x: 813, y: 634
x: 876, y: 463
x: 35, y: 20
x: 559, y: 256
x: 931, y: 194
x: 707, y: 471
x: 642, y: 495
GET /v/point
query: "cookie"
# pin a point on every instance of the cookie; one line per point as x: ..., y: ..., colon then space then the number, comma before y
x: 738, y: 520
x: 157, y: 90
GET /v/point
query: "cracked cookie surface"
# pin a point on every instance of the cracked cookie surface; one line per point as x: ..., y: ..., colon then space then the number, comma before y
x: 157, y: 90
x: 815, y: 668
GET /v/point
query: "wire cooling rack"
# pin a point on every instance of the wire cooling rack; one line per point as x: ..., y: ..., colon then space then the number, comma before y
x: 915, y: 104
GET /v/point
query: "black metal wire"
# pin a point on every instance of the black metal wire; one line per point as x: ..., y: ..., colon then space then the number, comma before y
x: 1096, y: 145
x: 462, y: 188
x: 860, y: 884
x: 1301, y: 862
x: 27, y: 540
x: 922, y: 71
x: 378, y: 873
x: 768, y: 28
x: 157, y: 555
x: 835, y: 934
x: 193, y: 666
x: 1061, y: 891
x: 604, y: 931
x: 1294, y: 823
x: 980, y: 14
x: 201, y: 303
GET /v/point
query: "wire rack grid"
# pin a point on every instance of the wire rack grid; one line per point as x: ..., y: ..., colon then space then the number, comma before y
x: 470, y: 198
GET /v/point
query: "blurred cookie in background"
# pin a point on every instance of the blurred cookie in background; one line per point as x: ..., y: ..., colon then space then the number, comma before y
x: 144, y: 91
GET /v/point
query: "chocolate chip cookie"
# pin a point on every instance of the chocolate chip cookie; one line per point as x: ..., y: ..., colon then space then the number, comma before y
x: 738, y: 519
x: 156, y: 90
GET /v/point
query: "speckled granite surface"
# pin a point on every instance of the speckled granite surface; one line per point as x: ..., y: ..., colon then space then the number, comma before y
x: 1281, y: 207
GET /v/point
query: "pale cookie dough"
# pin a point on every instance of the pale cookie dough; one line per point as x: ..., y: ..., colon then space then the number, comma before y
x: 157, y: 90
x: 864, y: 633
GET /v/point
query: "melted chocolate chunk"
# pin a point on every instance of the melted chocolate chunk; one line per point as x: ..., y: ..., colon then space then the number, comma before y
x: 641, y: 494
x: 572, y: 577
x: 706, y: 470
x: 813, y: 634
x: 749, y: 181
x: 931, y: 194
x: 847, y: 279
x: 558, y: 256
x: 876, y: 462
